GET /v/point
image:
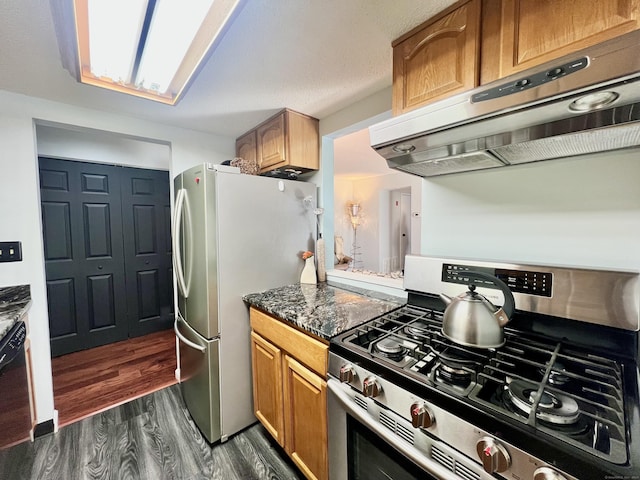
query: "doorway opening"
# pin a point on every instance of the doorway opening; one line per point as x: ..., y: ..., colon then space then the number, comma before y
x: 105, y: 206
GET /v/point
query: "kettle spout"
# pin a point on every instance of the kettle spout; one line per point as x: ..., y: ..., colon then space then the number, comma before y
x: 446, y: 299
x: 501, y: 317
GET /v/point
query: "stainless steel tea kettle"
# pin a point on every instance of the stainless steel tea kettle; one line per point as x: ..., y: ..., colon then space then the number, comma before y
x: 472, y: 320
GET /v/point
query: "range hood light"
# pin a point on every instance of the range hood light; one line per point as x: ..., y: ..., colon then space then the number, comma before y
x: 593, y: 101
x: 404, y: 148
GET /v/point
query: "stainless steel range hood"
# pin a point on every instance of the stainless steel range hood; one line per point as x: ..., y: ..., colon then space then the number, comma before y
x: 583, y: 103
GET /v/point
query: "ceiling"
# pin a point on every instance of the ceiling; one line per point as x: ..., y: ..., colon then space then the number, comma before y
x: 314, y: 56
x: 354, y: 159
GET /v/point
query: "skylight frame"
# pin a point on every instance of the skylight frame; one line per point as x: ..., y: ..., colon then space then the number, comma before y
x: 215, y: 24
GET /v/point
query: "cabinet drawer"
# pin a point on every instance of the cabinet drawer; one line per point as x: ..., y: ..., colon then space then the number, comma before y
x: 306, y: 349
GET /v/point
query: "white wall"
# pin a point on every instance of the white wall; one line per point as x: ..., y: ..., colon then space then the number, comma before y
x: 355, y: 117
x: 581, y: 211
x: 59, y: 141
x: 375, y: 214
x: 19, y: 194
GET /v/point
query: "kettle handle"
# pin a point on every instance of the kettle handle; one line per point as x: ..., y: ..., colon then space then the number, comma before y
x: 509, y: 302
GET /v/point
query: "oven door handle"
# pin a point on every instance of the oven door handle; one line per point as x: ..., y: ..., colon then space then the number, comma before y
x: 408, y: 450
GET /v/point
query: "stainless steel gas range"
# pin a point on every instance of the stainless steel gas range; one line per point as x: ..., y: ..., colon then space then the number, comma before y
x: 559, y: 400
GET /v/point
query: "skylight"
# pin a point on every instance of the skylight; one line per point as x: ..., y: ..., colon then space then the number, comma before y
x: 147, y: 48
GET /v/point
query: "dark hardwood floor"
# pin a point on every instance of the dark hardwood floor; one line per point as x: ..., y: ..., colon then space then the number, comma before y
x: 91, y: 381
x: 151, y: 438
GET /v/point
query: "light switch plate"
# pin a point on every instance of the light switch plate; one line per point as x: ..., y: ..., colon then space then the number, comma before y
x: 10, y: 251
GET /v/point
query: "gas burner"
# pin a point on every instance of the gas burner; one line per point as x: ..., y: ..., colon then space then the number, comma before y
x: 553, y: 408
x: 453, y: 376
x: 418, y: 330
x: 556, y: 377
x: 390, y: 347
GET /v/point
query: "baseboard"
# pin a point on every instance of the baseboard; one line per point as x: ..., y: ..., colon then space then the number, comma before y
x: 43, y: 428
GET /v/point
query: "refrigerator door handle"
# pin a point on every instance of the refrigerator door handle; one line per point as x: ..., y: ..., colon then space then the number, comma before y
x: 177, y: 257
x: 186, y: 341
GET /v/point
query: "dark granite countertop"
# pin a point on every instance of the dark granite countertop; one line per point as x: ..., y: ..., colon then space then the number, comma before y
x: 14, y: 304
x: 323, y: 309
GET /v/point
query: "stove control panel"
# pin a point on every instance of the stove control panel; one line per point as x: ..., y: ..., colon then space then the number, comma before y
x: 519, y: 281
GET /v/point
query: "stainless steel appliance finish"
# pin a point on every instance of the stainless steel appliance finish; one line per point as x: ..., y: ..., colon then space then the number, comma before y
x: 559, y: 400
x: 233, y: 234
x: 596, y: 289
x: 391, y: 414
x: 540, y: 114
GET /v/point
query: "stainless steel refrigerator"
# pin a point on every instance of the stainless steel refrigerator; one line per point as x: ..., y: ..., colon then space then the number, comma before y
x: 233, y: 234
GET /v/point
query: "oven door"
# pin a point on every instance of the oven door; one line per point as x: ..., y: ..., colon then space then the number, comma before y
x: 359, y: 446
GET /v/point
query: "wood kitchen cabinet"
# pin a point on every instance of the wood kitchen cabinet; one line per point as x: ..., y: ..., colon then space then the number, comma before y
x: 290, y: 390
x: 475, y: 42
x: 247, y: 147
x: 438, y: 59
x: 520, y: 34
x: 287, y: 140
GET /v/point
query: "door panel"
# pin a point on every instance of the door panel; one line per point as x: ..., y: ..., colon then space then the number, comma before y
x: 101, y: 301
x: 106, y: 233
x: 200, y: 380
x: 147, y: 250
x: 82, y: 232
x: 57, y: 231
x: 62, y: 299
x: 97, y: 227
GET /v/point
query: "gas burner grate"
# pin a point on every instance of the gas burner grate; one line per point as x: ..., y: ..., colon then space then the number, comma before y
x: 528, y: 371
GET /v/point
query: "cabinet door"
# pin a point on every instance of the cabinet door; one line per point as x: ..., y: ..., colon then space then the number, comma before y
x: 519, y: 34
x: 305, y: 409
x: 267, y: 386
x: 437, y: 61
x: 246, y: 146
x: 271, y: 143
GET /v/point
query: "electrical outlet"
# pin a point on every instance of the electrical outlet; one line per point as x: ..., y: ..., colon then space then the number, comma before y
x: 10, y: 251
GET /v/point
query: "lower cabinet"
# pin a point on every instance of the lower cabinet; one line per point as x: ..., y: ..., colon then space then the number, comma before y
x: 290, y: 391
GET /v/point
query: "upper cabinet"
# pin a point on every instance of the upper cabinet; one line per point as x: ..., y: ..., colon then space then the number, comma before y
x: 247, y: 146
x: 438, y: 59
x: 517, y: 35
x: 287, y: 140
x: 478, y: 41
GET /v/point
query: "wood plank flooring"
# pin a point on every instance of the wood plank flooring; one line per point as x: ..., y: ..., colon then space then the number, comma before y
x: 150, y: 438
x: 91, y: 381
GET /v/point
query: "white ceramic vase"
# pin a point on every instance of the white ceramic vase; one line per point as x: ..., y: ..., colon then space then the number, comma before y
x: 308, y: 274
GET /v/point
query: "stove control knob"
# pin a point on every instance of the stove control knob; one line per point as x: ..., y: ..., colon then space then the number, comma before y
x: 371, y: 387
x: 546, y: 473
x: 421, y: 416
x: 494, y: 457
x: 347, y: 373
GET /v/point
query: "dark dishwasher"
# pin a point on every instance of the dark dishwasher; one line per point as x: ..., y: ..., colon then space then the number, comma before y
x: 15, y: 419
